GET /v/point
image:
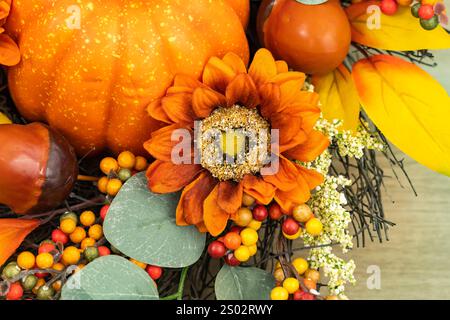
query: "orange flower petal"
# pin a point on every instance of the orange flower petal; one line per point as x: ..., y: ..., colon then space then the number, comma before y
x: 160, y: 146
x: 289, y: 122
x: 286, y: 177
x: 5, y: 8
x: 298, y: 78
x: 9, y: 51
x: 291, y: 93
x: 205, y: 100
x: 166, y: 177
x: 156, y: 111
x: 263, y: 67
x: 235, y: 62
x: 182, y: 80
x: 218, y: 74
x: 230, y: 196
x: 12, y: 233
x: 282, y: 66
x: 201, y: 227
x: 190, y: 206
x: 242, y: 91
x: 298, y: 195
x: 259, y: 189
x: 270, y: 95
x: 178, y: 107
x: 214, y: 217
x: 314, y: 146
x: 312, y: 177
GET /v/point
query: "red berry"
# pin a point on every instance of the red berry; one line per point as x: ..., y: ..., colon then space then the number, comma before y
x: 290, y: 226
x: 15, y: 292
x: 231, y: 260
x: 216, y: 249
x: 260, y: 213
x: 389, y: 7
x: 236, y: 229
x: 154, y: 272
x: 104, y: 211
x: 46, y: 247
x: 301, y: 295
x: 103, y: 251
x: 41, y: 275
x: 59, y: 236
x: 426, y: 12
x: 275, y: 212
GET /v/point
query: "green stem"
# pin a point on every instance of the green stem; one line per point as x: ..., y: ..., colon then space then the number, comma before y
x: 179, y: 294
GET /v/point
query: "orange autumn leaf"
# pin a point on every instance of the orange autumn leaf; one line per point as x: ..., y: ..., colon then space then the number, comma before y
x: 401, y: 31
x: 12, y: 233
x: 338, y: 97
x: 409, y: 106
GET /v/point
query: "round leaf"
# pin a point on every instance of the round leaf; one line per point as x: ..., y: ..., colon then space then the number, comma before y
x: 110, y: 278
x: 236, y: 283
x: 142, y: 225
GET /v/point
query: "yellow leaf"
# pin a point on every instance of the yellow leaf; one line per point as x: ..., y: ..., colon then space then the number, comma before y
x: 401, y: 31
x: 4, y: 119
x: 338, y: 97
x: 409, y: 106
x: 12, y: 233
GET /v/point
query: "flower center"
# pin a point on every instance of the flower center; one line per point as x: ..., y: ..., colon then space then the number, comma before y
x: 234, y: 142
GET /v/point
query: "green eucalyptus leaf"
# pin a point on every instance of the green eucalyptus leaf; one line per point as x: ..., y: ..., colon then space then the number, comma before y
x: 237, y: 283
x: 110, y: 278
x: 141, y: 225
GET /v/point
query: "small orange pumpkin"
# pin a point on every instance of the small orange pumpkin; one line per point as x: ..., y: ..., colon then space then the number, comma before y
x: 313, y: 39
x: 38, y: 168
x: 90, y: 67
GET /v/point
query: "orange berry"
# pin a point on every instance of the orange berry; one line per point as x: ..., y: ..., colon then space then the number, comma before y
x: 96, y: 232
x: 58, y: 266
x: 87, y: 218
x: 232, y: 240
x: 312, y: 274
x: 302, y: 213
x: 26, y: 260
x: 247, y: 200
x: 71, y: 255
x: 311, y: 285
x: 67, y: 225
x: 102, y: 184
x: 244, y: 217
x: 88, y: 242
x: 113, y: 187
x: 126, y: 160
x: 141, y: 164
x: 78, y: 235
x: 109, y: 164
x: 44, y: 260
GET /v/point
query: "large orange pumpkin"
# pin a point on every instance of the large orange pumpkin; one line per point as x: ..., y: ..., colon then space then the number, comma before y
x: 90, y: 67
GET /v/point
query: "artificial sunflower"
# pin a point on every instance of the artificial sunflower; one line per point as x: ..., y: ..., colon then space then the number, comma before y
x: 230, y: 98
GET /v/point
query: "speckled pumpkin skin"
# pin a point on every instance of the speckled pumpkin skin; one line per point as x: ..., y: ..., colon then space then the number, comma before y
x: 94, y: 83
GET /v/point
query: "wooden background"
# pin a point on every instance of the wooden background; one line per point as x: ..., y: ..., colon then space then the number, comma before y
x: 415, y: 263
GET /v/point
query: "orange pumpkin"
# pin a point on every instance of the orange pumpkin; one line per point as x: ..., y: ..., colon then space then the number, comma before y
x: 90, y: 67
x: 313, y: 39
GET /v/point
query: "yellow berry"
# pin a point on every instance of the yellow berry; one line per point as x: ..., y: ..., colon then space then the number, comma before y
x: 291, y: 285
x: 87, y: 218
x: 141, y: 265
x: 242, y: 253
x: 253, y: 250
x: 58, y: 266
x: 314, y: 227
x: 249, y: 236
x: 294, y: 236
x: 141, y: 164
x: 247, y: 200
x: 78, y: 235
x: 113, y: 187
x: 244, y: 216
x: 302, y: 213
x: 126, y: 160
x: 70, y: 256
x: 88, y: 242
x: 96, y: 232
x: 279, y: 293
x: 301, y: 265
x: 255, y: 225
x: 102, y: 184
x: 67, y: 225
x: 44, y: 260
x: 26, y: 260
x: 109, y: 164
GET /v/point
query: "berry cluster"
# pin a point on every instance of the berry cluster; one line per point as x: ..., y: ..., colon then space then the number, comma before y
x: 298, y: 286
x: 424, y: 10
x: 301, y: 217
x: 118, y: 171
